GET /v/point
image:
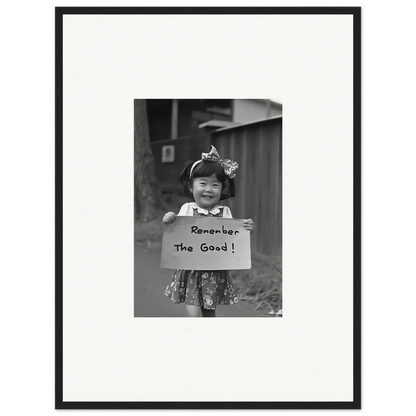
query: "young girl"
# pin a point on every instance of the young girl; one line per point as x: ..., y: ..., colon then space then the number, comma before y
x: 208, y: 181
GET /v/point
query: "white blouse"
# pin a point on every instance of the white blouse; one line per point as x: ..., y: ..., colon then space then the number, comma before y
x: 187, y: 210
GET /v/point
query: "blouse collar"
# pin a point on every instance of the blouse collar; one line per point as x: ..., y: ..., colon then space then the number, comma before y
x: 214, y: 211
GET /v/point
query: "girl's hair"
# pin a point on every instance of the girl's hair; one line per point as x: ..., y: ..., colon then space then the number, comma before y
x: 204, y: 169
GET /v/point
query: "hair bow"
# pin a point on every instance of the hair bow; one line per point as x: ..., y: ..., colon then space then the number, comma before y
x: 228, y: 165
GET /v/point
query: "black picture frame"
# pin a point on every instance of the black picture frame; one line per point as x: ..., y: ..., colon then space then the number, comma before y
x: 60, y: 402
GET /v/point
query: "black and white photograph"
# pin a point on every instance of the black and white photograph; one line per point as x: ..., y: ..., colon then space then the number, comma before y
x: 209, y: 158
x: 208, y: 164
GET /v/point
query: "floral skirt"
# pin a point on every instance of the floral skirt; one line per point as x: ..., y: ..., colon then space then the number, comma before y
x: 202, y: 288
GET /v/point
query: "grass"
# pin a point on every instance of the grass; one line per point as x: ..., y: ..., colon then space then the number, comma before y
x: 262, y: 284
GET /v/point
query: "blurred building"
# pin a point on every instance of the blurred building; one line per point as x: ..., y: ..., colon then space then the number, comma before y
x: 184, y: 118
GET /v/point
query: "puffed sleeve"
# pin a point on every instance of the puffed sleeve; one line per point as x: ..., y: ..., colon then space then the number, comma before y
x: 184, y: 211
x: 226, y: 213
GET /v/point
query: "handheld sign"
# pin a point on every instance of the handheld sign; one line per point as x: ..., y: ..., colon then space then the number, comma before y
x: 194, y: 243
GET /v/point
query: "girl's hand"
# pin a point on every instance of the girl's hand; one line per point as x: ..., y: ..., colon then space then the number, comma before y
x: 249, y: 225
x: 169, y: 217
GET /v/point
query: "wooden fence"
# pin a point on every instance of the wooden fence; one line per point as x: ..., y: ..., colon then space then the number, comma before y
x: 257, y: 147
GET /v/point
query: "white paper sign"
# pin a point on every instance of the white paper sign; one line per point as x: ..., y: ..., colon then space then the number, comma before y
x: 194, y: 243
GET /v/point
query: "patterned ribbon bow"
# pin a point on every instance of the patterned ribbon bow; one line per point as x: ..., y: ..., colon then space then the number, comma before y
x: 228, y: 165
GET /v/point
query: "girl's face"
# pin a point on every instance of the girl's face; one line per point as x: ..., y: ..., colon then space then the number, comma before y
x: 206, y: 191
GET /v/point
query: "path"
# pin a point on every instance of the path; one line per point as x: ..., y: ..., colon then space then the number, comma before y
x: 150, y: 282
